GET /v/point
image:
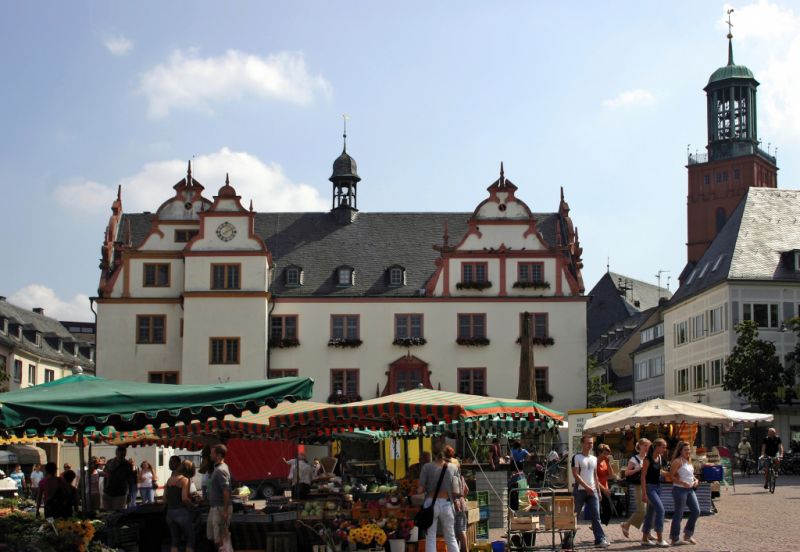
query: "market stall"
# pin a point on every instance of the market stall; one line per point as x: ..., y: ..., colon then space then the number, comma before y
x: 679, y: 419
x: 82, y: 406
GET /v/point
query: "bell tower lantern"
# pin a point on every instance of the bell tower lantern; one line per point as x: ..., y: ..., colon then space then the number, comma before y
x: 734, y: 162
x: 345, y: 181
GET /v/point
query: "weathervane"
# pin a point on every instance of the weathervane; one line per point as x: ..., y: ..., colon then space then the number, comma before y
x: 345, y: 116
x: 730, y: 25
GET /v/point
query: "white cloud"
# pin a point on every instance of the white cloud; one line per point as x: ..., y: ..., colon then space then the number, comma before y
x: 760, y: 20
x: 264, y: 183
x: 118, y: 45
x: 638, y: 97
x: 86, y: 196
x: 780, y: 96
x: 186, y: 81
x: 36, y: 295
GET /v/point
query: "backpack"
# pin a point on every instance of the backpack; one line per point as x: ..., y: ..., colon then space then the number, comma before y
x: 635, y: 479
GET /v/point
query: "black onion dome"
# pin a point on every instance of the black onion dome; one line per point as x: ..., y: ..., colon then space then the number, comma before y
x: 345, y: 167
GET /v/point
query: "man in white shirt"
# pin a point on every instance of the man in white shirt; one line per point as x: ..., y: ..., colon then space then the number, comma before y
x: 587, y: 488
x: 300, y: 476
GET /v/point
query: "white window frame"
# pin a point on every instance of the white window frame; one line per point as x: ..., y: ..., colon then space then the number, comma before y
x: 681, y: 389
x: 771, y: 324
x: 717, y: 365
x: 641, y: 371
x: 704, y: 376
x: 716, y: 322
x: 681, y: 328
x: 698, y: 326
x: 658, y: 367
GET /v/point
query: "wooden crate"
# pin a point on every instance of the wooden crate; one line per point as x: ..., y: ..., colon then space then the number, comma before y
x: 473, y: 515
x: 561, y: 522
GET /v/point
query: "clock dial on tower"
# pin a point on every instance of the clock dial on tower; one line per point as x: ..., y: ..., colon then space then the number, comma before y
x: 226, y: 231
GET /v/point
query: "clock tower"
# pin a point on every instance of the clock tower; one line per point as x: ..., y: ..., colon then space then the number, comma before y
x: 734, y: 160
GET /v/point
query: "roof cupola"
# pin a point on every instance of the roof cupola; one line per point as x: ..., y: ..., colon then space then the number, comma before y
x: 345, y: 184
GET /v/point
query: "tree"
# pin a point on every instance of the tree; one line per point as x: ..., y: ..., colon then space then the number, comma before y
x: 754, y: 370
x: 597, y: 392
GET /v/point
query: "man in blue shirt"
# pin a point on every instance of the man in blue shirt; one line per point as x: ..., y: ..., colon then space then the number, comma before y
x: 519, y: 455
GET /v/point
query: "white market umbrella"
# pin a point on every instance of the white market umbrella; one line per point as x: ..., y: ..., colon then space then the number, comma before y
x: 662, y: 411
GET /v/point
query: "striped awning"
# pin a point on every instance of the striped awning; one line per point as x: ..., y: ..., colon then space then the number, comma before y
x: 414, y: 411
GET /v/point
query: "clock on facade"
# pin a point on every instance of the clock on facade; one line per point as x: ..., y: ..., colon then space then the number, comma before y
x: 226, y: 231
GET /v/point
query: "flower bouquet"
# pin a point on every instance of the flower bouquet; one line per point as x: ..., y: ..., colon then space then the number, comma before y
x: 367, y: 535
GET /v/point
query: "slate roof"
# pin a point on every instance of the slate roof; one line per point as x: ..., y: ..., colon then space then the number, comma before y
x: 609, y: 306
x: 371, y: 244
x: 51, y: 331
x: 750, y: 245
x: 652, y: 344
x: 629, y: 327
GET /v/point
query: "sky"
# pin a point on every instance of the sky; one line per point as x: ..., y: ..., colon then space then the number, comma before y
x: 603, y: 99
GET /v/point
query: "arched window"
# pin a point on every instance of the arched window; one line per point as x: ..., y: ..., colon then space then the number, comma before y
x: 721, y: 218
x: 294, y: 276
x: 396, y: 276
x: 344, y: 276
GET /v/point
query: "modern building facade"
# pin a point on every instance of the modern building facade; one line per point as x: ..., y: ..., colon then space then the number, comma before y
x: 205, y: 290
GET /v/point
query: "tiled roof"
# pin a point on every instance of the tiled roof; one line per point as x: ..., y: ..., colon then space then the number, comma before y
x: 609, y: 305
x: 371, y: 244
x: 765, y: 225
x: 50, y: 329
x: 652, y: 344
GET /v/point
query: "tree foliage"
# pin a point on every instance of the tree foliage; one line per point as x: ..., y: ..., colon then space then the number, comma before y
x: 597, y: 392
x: 754, y: 370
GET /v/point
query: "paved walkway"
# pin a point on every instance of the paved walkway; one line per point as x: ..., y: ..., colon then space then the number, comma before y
x: 749, y: 519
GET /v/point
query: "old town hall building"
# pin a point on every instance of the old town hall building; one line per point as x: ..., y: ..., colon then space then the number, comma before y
x: 206, y: 290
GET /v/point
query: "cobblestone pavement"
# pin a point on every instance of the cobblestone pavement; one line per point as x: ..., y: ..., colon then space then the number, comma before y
x: 750, y: 519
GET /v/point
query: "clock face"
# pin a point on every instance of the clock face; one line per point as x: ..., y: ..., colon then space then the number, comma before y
x: 226, y: 231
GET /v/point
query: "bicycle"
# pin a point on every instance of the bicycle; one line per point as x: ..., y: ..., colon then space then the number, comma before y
x: 746, y: 465
x: 771, y: 465
x: 555, y: 473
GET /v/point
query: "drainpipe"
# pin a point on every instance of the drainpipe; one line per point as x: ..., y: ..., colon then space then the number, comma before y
x: 91, y: 307
x: 269, y: 326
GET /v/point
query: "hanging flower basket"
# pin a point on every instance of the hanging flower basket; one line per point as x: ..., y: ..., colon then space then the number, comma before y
x: 543, y: 341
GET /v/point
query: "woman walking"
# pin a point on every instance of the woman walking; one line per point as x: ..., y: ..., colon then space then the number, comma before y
x: 633, y: 475
x: 147, y: 482
x: 651, y: 494
x: 179, y: 502
x: 603, y: 472
x: 684, y: 484
x: 433, y: 472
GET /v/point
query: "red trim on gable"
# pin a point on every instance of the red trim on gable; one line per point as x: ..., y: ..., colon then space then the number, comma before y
x: 559, y: 274
x: 437, y: 299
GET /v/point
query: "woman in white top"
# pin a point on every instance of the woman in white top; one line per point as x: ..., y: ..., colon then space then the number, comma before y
x: 147, y: 482
x: 632, y: 476
x: 684, y: 484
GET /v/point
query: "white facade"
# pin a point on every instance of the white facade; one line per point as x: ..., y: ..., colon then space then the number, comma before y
x: 171, y: 310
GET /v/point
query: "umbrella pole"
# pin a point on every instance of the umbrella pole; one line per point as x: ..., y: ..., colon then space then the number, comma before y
x: 83, y: 478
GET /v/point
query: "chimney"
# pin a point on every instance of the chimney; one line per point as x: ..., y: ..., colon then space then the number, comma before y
x: 38, y: 310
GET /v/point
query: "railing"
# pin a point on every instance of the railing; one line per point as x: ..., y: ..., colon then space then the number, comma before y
x: 734, y: 150
x: 697, y: 158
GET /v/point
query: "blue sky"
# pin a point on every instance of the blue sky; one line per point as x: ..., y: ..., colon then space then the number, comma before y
x: 600, y: 98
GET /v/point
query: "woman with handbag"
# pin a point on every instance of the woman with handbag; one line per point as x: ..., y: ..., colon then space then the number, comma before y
x: 147, y: 482
x: 634, y: 478
x: 438, y: 480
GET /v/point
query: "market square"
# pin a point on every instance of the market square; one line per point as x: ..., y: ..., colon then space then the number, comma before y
x: 554, y: 305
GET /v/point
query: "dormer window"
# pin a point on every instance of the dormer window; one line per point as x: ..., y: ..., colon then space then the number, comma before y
x: 75, y: 349
x: 397, y: 276
x: 294, y: 276
x: 19, y: 332
x: 37, y: 339
x: 345, y: 276
x: 4, y: 326
x: 796, y: 259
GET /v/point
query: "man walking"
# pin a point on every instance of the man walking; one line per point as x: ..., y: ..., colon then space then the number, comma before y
x: 219, y: 499
x: 587, y: 488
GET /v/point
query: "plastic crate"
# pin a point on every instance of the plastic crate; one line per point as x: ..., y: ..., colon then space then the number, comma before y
x: 482, y: 497
x: 712, y: 473
x: 482, y: 529
x: 484, y: 513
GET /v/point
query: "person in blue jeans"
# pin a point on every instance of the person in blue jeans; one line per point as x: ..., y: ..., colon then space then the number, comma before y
x: 587, y: 488
x: 684, y: 484
x: 651, y: 494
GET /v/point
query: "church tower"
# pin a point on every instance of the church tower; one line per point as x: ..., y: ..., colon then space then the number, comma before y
x: 734, y: 162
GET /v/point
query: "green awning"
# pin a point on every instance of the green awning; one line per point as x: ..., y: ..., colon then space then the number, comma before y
x: 93, y: 404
